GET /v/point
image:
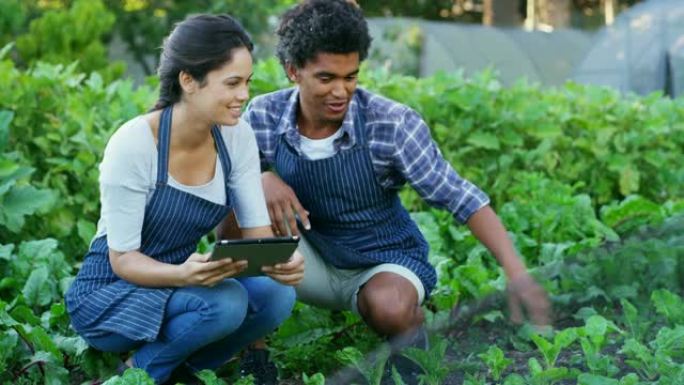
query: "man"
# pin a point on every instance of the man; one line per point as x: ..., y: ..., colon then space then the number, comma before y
x: 337, y: 155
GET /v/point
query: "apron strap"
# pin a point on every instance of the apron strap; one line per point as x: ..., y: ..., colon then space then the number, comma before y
x: 224, y: 158
x: 163, y: 142
x: 359, y: 124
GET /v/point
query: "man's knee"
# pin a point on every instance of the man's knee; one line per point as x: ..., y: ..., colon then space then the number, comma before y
x: 388, y: 302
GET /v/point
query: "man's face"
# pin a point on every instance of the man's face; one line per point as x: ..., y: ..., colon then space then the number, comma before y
x: 326, y: 85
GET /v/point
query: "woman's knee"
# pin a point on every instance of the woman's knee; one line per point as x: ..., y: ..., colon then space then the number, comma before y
x: 272, y: 300
x: 223, y: 307
x: 283, y: 301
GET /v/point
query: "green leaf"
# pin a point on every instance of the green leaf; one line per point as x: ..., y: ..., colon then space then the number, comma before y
x: 565, y: 337
x: 22, y: 201
x: 5, y: 120
x: 316, y: 379
x: 669, y: 305
x: 55, y: 373
x: 484, y: 140
x: 6, y: 252
x: 631, y: 318
x: 39, y: 289
x: 38, y: 250
x: 8, y: 47
x: 86, y: 230
x: 208, y: 377
x: 396, y: 377
x: 6, y: 320
x: 496, y: 361
x: 42, y: 341
x: 514, y: 379
x: 73, y: 346
x: 670, y: 342
x: 630, y: 379
x: 534, y: 366
x: 592, y: 379
x: 547, y: 349
x: 629, y: 180
x: 8, y: 342
x: 25, y: 315
x: 133, y: 376
x: 596, y: 326
x: 545, y: 130
x: 349, y: 356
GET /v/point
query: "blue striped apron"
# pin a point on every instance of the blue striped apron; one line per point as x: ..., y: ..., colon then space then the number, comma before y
x: 355, y: 222
x: 99, y: 301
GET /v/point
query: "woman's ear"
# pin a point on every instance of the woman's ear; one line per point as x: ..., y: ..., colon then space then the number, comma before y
x: 187, y: 82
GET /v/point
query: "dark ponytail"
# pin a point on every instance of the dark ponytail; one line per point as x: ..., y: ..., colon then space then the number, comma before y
x: 197, y: 45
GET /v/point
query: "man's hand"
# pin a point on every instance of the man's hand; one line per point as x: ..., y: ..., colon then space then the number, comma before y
x: 290, y: 273
x: 198, y: 270
x: 524, y: 292
x: 283, y: 205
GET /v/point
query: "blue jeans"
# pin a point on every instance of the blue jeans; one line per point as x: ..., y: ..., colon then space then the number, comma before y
x: 205, y: 326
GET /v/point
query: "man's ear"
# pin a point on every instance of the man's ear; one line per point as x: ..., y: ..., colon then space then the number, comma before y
x: 187, y: 82
x: 292, y: 72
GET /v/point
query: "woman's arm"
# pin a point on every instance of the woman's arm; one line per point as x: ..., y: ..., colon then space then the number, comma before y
x: 289, y: 273
x: 140, y: 269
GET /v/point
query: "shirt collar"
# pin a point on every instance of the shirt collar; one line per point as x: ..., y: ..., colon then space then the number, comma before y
x: 288, y: 124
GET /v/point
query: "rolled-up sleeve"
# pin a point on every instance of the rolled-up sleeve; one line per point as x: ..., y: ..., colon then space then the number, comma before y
x: 421, y: 163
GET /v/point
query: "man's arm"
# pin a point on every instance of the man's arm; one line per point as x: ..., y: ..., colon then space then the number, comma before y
x: 422, y: 164
x: 283, y: 205
x: 522, y: 288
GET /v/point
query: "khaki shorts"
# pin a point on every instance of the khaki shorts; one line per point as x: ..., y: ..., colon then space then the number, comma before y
x: 327, y: 286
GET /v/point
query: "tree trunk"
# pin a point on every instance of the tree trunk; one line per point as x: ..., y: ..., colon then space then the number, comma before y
x: 609, y: 11
x: 502, y: 13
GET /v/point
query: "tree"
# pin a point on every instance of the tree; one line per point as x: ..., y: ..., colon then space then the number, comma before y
x: 502, y: 13
x: 143, y: 24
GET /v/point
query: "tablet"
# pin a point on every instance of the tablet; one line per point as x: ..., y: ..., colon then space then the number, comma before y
x: 257, y: 251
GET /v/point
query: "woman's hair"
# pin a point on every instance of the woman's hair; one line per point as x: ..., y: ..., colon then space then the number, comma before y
x: 197, y: 45
x: 321, y: 26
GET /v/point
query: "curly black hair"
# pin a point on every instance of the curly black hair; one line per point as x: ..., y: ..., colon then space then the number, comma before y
x: 315, y: 26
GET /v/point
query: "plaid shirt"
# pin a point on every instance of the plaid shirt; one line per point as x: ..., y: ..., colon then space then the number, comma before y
x: 400, y: 144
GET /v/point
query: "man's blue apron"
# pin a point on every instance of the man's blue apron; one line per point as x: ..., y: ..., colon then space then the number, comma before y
x: 99, y: 301
x: 355, y: 222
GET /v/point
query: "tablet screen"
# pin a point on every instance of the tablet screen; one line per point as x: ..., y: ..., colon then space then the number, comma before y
x: 257, y: 251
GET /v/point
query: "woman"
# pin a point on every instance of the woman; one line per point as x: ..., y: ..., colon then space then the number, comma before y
x: 168, y: 178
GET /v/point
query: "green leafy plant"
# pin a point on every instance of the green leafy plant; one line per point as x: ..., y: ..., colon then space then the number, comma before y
x: 546, y: 376
x: 131, y: 376
x: 431, y: 361
x: 496, y: 361
x: 551, y: 349
x: 371, y: 368
x: 669, y: 305
x: 593, y: 337
x: 70, y: 35
x: 315, y: 379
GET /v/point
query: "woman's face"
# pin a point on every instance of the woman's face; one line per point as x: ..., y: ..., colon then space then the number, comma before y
x: 225, y: 90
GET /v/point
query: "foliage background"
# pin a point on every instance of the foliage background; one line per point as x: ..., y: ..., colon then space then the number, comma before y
x: 588, y: 182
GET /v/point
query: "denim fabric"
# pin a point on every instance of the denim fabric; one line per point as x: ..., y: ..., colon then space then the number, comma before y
x: 204, y: 326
